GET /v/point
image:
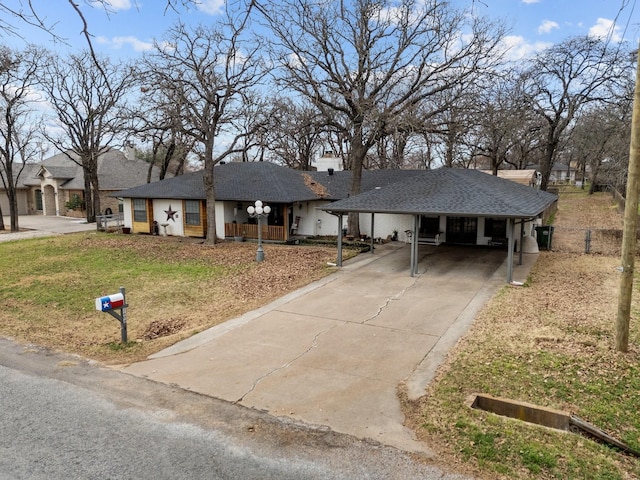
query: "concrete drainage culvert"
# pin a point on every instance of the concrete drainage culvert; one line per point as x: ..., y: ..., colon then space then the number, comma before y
x: 546, y: 417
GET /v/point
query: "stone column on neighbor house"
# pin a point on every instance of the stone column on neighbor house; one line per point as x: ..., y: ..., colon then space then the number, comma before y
x: 59, y: 196
x: 49, y: 200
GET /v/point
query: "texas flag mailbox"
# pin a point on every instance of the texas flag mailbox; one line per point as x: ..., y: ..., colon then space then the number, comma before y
x: 110, y: 302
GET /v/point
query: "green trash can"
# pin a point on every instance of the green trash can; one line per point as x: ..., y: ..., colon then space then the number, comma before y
x: 544, y: 235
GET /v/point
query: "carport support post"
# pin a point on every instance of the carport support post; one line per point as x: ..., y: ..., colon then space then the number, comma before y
x: 521, y: 240
x: 510, y: 250
x: 372, y: 236
x: 339, y: 261
x: 414, y: 247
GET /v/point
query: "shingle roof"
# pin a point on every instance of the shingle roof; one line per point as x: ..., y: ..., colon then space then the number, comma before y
x: 443, y: 191
x: 63, y: 172
x: 266, y: 181
x: 244, y: 181
x: 26, y: 173
x: 115, y: 171
x: 448, y: 191
x: 338, y: 184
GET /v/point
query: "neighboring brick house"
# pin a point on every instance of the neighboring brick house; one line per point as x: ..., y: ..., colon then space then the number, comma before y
x: 55, y: 186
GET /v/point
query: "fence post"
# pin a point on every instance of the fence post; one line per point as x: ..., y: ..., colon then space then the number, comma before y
x: 587, y: 242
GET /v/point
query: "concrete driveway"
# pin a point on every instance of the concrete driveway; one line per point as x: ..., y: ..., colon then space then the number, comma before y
x: 334, y: 352
x: 45, y: 226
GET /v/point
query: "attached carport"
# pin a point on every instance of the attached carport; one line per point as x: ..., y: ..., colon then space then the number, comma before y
x: 449, y: 192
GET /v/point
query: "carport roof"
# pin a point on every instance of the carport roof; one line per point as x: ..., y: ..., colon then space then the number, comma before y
x: 452, y: 192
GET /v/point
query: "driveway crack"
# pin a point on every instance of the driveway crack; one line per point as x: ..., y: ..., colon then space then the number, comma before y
x: 397, y: 296
x: 314, y: 344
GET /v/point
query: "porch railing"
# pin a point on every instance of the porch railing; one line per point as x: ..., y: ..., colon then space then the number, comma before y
x: 250, y: 230
x: 104, y: 222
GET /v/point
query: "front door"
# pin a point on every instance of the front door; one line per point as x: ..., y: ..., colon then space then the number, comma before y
x: 462, y: 230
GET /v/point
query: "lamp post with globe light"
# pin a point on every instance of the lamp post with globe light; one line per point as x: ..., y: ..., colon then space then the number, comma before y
x: 258, y: 210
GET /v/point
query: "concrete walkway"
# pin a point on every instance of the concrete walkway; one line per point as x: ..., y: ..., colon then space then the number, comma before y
x: 334, y: 352
x: 44, y: 226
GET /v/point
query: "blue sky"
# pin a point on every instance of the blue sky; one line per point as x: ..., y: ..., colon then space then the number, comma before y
x: 534, y: 24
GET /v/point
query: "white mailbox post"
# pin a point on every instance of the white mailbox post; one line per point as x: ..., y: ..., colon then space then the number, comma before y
x: 110, y: 303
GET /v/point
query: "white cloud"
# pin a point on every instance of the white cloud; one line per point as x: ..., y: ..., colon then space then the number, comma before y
x: 119, y: 42
x: 547, y: 25
x: 605, y: 29
x: 212, y: 7
x: 120, y: 4
x: 530, y: 1
x: 517, y: 48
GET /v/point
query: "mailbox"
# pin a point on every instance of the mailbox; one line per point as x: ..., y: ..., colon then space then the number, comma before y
x: 110, y: 302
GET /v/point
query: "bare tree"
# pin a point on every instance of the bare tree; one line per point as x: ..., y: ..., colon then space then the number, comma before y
x: 90, y: 113
x: 392, y: 148
x: 562, y: 80
x: 501, y: 121
x: 600, y: 140
x: 294, y: 136
x: 18, y: 133
x: 28, y: 13
x: 212, y: 71
x: 371, y: 60
x: 158, y: 120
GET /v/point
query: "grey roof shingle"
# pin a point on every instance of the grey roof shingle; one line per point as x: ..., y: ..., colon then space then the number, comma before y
x: 63, y: 172
x: 115, y: 171
x: 448, y: 191
x: 443, y: 191
x: 246, y: 181
x: 338, y: 184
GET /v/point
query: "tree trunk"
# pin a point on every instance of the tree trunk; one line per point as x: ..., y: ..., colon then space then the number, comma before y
x: 211, y: 205
x: 167, y: 160
x: 88, y: 198
x: 91, y: 186
x: 13, y: 209
x: 210, y: 194
x: 547, y: 162
x: 96, y: 194
x: 594, y: 178
x: 358, y: 152
x: 12, y: 196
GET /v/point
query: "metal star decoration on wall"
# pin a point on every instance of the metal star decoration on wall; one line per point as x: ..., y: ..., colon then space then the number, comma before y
x: 171, y: 214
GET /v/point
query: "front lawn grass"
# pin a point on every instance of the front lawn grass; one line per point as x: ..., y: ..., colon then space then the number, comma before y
x: 175, y: 287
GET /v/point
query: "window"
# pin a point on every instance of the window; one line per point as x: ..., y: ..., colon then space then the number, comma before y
x: 38, y: 199
x: 429, y: 224
x: 192, y: 212
x: 462, y: 230
x: 495, y: 228
x: 139, y: 210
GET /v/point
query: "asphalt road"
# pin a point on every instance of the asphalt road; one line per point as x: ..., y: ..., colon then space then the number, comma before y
x: 64, y: 417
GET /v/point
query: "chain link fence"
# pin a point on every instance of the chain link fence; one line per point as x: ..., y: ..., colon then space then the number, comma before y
x: 587, y: 240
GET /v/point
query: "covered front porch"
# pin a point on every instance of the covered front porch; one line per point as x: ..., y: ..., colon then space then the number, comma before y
x: 273, y: 233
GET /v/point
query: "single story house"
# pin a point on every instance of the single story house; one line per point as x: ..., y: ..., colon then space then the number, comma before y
x: 177, y: 206
x: 55, y: 186
x: 452, y: 205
